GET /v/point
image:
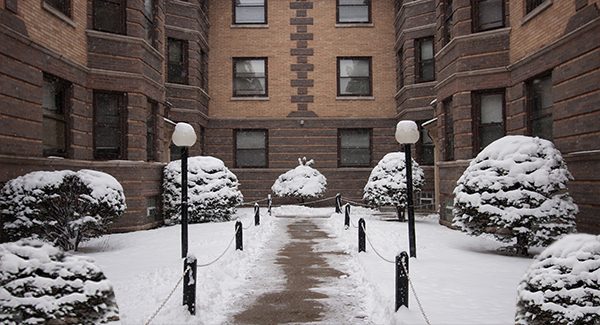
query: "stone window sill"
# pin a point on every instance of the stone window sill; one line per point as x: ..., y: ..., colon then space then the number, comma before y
x: 536, y: 11
x: 58, y: 14
x: 249, y: 98
x: 355, y: 98
x: 354, y: 25
x: 251, y: 26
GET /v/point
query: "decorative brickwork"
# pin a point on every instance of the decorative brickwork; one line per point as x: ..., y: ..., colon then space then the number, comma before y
x: 302, y: 53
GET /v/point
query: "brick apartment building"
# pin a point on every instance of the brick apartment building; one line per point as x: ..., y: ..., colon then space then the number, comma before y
x: 85, y: 84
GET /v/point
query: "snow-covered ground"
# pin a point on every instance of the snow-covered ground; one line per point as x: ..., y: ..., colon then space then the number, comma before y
x: 459, y: 279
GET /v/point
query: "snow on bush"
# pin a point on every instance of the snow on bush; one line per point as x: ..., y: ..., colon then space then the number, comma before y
x: 516, y: 188
x: 40, y: 284
x: 63, y: 207
x: 213, y: 193
x: 302, y: 182
x: 562, y: 285
x: 387, y: 182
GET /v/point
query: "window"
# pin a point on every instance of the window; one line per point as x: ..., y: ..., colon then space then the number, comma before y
x: 488, y: 118
x: 532, y: 4
x: 177, y: 61
x: 539, y: 106
x: 250, y: 77
x: 447, y: 24
x: 55, y: 103
x: 249, y: 11
x: 425, y: 147
x: 108, y: 125
x: 353, y: 11
x: 149, y: 22
x: 153, y: 208
x: 11, y: 5
x: 109, y: 16
x: 400, y: 69
x: 354, y: 147
x: 354, y: 76
x: 151, y: 130
x: 203, y: 70
x: 448, y: 130
x: 251, y: 148
x: 487, y: 14
x: 64, y: 6
x: 425, y: 61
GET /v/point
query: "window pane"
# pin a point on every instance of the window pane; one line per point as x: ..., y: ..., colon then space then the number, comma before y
x: 107, y: 125
x: 354, y: 2
x: 355, y: 86
x: 250, y: 139
x: 426, y: 49
x: 250, y: 15
x: 250, y: 86
x: 54, y: 136
x: 354, y: 68
x: 543, y: 90
x: 357, y: 14
x: 49, y: 95
x: 175, y: 51
x: 490, y: 133
x: 108, y: 16
x: 542, y: 128
x: 149, y: 9
x: 355, y: 157
x: 355, y: 138
x: 427, y: 71
x: 490, y: 14
x: 249, y: 2
x: 491, y: 108
x: 250, y: 68
x: 251, y: 158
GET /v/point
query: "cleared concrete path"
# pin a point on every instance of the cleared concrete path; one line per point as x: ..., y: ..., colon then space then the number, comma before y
x: 312, y: 292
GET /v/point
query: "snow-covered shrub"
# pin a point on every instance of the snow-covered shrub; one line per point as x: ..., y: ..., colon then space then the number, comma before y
x: 562, y: 285
x: 302, y: 182
x: 387, y: 182
x: 516, y: 188
x: 213, y: 193
x: 40, y: 284
x: 63, y: 207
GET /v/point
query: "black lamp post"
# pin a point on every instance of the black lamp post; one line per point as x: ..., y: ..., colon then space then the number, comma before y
x: 407, y: 133
x: 184, y: 136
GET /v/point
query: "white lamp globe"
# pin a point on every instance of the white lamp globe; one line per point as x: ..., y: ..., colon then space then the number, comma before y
x: 184, y: 135
x: 407, y: 132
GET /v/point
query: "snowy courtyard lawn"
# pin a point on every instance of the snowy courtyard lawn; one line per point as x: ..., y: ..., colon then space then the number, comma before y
x: 460, y: 279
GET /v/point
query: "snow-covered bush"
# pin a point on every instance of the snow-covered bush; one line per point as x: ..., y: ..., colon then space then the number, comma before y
x: 387, y: 182
x: 40, y: 284
x: 562, y: 285
x: 302, y: 182
x: 63, y: 207
x: 213, y: 193
x: 516, y: 188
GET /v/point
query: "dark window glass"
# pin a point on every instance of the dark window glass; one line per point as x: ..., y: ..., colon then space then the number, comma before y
x: 177, y: 61
x: 54, y: 124
x: 447, y: 27
x: 108, y: 126
x: 11, y: 5
x: 400, y: 67
x: 354, y: 77
x: 532, y: 4
x: 64, y: 6
x: 539, y: 101
x: 151, y: 128
x: 425, y: 61
x: 354, y: 147
x: 251, y: 148
x: 425, y: 147
x: 249, y: 12
x: 250, y: 77
x: 448, y: 130
x: 109, y: 16
x: 488, y: 14
x: 150, y: 21
x: 354, y: 11
x: 488, y: 113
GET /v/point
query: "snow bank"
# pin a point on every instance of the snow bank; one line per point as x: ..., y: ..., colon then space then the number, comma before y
x: 213, y: 193
x: 301, y: 182
x: 562, y: 285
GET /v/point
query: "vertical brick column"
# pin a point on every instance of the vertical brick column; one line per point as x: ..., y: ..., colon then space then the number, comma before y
x: 302, y: 52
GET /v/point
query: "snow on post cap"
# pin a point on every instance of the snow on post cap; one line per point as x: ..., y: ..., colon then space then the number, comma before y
x: 407, y: 132
x: 184, y: 135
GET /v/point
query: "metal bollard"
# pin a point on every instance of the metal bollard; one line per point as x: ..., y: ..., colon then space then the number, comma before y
x: 270, y: 200
x: 347, y: 216
x: 401, y: 281
x: 338, y: 203
x: 239, y: 236
x: 362, y: 227
x: 256, y: 214
x: 189, y: 283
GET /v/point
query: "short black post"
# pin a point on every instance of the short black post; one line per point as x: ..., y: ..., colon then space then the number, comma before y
x: 239, y: 236
x: 256, y: 214
x: 189, y: 283
x: 338, y: 203
x: 347, y: 216
x: 401, y: 280
x: 362, y: 227
x: 270, y: 200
